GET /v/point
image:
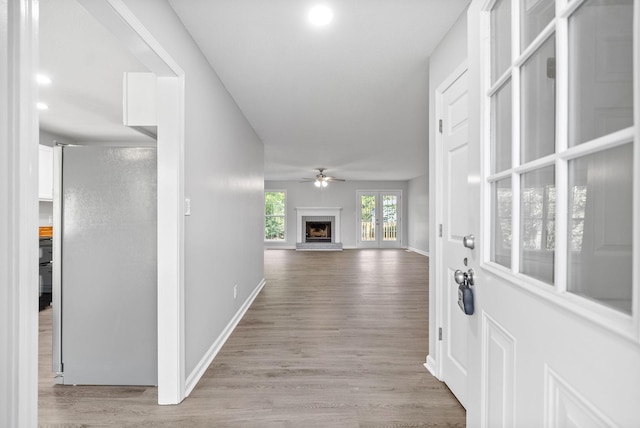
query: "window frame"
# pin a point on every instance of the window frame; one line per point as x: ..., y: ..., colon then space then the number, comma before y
x: 284, y: 216
x: 627, y: 325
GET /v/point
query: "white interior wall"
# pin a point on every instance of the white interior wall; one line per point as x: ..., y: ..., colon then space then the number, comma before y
x: 224, y: 178
x: 45, y: 208
x: 448, y: 55
x: 418, y: 215
x: 339, y: 194
x: 45, y: 211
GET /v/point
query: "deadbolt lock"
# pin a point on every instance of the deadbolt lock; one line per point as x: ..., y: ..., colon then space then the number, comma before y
x: 469, y: 241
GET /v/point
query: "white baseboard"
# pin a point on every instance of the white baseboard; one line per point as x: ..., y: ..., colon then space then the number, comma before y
x: 207, y: 359
x: 282, y: 247
x: 415, y: 250
x: 432, y: 366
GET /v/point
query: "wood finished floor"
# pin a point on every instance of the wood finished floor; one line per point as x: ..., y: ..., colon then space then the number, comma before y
x: 335, y: 339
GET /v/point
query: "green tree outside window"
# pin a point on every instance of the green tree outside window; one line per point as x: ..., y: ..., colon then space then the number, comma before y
x: 274, y: 216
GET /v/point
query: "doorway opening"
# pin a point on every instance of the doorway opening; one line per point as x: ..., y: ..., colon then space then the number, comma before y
x: 379, y: 219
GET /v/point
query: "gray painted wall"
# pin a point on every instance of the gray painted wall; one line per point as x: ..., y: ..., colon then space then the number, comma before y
x: 224, y: 177
x: 335, y: 195
x: 418, y: 217
x: 447, y: 56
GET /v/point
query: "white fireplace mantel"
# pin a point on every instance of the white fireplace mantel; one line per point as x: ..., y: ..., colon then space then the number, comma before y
x: 318, y: 211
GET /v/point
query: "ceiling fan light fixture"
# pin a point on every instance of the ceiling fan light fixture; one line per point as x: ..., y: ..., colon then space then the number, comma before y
x: 321, y: 180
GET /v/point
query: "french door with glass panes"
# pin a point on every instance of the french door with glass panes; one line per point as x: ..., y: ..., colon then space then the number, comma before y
x: 555, y: 337
x: 379, y: 219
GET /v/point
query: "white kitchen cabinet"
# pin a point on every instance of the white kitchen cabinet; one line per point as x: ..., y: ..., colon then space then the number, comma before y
x: 45, y: 183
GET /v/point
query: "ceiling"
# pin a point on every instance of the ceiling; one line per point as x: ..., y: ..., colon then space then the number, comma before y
x: 85, y: 63
x: 351, y: 97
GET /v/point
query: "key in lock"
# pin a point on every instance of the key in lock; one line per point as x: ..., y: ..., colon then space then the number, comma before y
x: 465, y: 293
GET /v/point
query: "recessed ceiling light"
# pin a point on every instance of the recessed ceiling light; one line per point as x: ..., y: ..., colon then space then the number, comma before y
x: 43, y: 79
x: 42, y: 106
x: 320, y: 15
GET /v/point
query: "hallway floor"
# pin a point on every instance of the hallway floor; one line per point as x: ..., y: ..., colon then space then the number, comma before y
x: 335, y: 339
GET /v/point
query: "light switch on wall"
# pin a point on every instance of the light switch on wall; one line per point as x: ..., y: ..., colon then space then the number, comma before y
x: 187, y: 206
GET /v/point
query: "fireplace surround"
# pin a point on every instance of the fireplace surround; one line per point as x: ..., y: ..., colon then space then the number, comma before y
x: 318, y: 228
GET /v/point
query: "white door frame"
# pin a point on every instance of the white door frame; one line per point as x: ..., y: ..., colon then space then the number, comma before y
x: 18, y: 214
x: 118, y: 18
x: 436, y: 279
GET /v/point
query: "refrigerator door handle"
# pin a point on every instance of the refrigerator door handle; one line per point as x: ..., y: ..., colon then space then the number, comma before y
x: 57, y: 266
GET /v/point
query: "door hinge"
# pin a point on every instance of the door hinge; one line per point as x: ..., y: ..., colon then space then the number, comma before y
x: 440, y: 230
x: 440, y: 333
x: 551, y: 68
x: 440, y: 126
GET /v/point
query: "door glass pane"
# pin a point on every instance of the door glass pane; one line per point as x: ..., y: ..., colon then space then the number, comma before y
x: 600, y: 69
x: 536, y: 15
x: 538, y: 103
x: 601, y: 227
x: 501, y: 129
x: 389, y: 217
x: 502, y: 197
x: 537, y: 223
x: 368, y: 218
x: 500, y: 38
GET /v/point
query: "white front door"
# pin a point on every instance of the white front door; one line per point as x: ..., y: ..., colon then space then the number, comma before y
x: 379, y: 219
x: 554, y: 186
x: 452, y: 100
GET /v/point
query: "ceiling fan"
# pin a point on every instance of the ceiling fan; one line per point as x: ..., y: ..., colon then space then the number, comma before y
x: 321, y: 180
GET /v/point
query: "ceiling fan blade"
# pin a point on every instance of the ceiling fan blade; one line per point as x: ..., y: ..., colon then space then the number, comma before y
x: 320, y: 177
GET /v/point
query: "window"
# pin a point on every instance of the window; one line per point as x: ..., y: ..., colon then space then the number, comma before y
x: 275, y: 215
x: 561, y: 137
